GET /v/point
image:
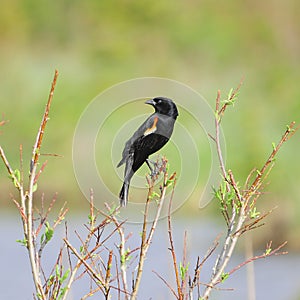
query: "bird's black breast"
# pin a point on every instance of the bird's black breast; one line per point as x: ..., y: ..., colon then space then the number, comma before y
x: 145, y: 146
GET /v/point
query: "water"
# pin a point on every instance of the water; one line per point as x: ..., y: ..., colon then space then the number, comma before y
x: 276, y: 278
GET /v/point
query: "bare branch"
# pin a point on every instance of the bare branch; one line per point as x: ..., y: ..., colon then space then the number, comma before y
x: 39, y: 138
x: 266, y: 254
x: 166, y: 283
x: 172, y: 249
x: 10, y: 170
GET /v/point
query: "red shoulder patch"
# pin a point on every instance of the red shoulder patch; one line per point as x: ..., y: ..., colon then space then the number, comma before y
x: 153, y: 128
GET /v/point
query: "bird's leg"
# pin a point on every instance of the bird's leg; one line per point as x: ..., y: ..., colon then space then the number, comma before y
x: 153, y: 171
x: 148, y: 164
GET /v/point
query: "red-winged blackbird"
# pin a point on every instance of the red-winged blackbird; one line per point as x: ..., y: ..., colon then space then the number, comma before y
x: 152, y: 135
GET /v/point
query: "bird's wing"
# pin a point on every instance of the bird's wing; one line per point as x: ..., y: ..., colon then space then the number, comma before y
x: 148, y: 127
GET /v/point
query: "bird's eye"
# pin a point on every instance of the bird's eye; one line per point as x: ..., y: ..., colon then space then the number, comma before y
x: 159, y: 101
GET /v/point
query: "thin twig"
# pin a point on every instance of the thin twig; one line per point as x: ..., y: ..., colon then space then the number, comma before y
x: 166, y: 283
x: 39, y: 138
x: 40, y: 172
x: 44, y: 216
x: 172, y: 249
x: 184, y: 280
x: 264, y: 255
x: 108, y: 274
x: 9, y: 169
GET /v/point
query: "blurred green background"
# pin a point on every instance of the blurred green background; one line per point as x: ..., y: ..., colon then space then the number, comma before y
x: 208, y: 45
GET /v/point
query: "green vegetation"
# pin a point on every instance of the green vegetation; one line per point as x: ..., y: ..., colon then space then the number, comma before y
x: 205, y: 44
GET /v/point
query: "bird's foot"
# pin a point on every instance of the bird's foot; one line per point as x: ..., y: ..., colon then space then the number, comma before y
x: 153, y: 170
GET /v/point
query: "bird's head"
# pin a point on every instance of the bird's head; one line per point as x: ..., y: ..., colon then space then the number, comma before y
x: 164, y: 106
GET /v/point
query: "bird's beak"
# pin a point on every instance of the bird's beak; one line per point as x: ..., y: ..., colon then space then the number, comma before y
x: 151, y: 102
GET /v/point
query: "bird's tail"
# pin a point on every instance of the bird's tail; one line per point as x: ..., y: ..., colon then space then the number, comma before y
x: 123, y: 196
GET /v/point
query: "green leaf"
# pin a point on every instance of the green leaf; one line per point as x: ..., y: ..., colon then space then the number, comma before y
x: 223, y: 187
x: 253, y: 213
x: 22, y: 242
x: 91, y: 219
x: 230, y: 100
x: 125, y: 257
x: 16, y: 177
x: 113, y: 210
x: 18, y: 174
x: 229, y: 93
x: 57, y: 271
x: 154, y: 195
x: 268, y: 251
x: 42, y: 240
x: 48, y: 234
x: 60, y: 220
x: 34, y: 188
x: 62, y: 292
x: 289, y: 129
x: 81, y: 249
x: 39, y: 296
x: 224, y: 276
x: 183, y: 270
x: 169, y: 182
x: 64, y: 277
x: 217, y: 116
x: 167, y: 167
x: 50, y: 280
x: 217, y: 193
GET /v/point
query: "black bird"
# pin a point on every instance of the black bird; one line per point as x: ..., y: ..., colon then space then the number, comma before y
x: 151, y: 136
